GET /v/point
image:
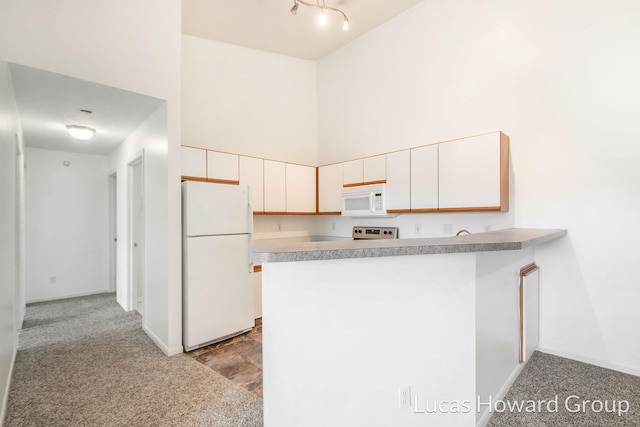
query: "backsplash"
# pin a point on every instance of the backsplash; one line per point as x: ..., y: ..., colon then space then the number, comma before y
x: 420, y: 225
x: 410, y: 225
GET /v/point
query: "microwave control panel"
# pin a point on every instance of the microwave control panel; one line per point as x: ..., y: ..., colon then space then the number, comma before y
x: 378, y: 202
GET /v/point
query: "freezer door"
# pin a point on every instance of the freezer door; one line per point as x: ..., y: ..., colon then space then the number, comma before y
x: 217, y: 289
x: 214, y: 209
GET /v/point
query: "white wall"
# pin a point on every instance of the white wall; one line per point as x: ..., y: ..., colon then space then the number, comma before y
x: 9, y: 230
x: 561, y: 80
x: 148, y: 142
x: 338, y: 348
x: 67, y: 224
x: 247, y: 101
x: 131, y: 45
x: 285, y: 223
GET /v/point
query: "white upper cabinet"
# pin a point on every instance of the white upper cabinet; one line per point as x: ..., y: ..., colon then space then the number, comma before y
x: 222, y: 167
x: 398, y: 180
x: 275, y: 187
x: 252, y: 174
x: 193, y: 162
x: 364, y: 171
x: 330, y: 188
x: 424, y: 178
x: 300, y: 189
x: 474, y: 173
x: 352, y: 172
x: 375, y: 168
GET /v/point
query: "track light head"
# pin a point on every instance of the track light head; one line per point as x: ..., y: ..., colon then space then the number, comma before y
x: 323, y: 9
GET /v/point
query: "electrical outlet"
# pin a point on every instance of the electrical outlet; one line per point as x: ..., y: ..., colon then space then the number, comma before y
x: 418, y: 228
x: 447, y: 229
x: 279, y: 227
x: 404, y: 397
x: 333, y: 226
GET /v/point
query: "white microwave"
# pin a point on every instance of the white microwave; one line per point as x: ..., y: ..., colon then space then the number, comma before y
x: 365, y: 201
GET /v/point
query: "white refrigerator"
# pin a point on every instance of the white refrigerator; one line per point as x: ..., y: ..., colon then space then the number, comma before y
x: 217, y: 291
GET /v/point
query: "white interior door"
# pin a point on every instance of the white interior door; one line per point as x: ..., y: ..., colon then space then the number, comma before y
x: 137, y: 235
x: 113, y: 231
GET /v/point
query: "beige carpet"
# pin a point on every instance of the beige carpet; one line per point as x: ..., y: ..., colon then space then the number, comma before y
x: 571, y: 394
x: 85, y: 362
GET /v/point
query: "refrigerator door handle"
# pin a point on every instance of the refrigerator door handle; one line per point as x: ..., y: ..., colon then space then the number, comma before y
x: 250, y: 228
x: 250, y: 254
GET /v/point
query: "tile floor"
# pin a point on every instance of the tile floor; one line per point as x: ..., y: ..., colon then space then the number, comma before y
x: 239, y: 359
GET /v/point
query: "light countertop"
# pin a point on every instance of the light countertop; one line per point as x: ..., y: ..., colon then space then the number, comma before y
x: 290, y: 250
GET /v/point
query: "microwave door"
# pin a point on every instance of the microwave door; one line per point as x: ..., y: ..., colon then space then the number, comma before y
x: 358, y: 203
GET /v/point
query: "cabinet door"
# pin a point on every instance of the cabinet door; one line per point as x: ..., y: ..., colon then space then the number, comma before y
x: 274, y: 186
x: 352, y: 172
x: 470, y: 173
x: 375, y: 168
x: 301, y: 189
x: 222, y: 167
x: 399, y: 181
x: 193, y: 162
x: 252, y: 174
x: 424, y: 178
x: 330, y: 188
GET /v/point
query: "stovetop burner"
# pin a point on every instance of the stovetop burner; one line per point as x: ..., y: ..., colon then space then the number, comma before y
x: 362, y: 233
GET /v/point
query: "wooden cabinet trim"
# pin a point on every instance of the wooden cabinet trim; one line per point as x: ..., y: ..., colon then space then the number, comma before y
x: 300, y: 213
x: 524, y: 272
x: 317, y: 189
x: 212, y: 180
x: 360, y: 184
x: 329, y: 213
x: 504, y: 172
x: 473, y: 209
x: 193, y: 178
x: 257, y: 268
x: 424, y: 210
x: 223, y: 181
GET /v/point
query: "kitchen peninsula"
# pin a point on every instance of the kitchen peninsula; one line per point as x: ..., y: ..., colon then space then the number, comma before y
x: 350, y: 328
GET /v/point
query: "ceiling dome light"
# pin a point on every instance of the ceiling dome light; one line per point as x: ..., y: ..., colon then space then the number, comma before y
x: 81, y: 132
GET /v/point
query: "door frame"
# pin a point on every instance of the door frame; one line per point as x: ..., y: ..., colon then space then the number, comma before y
x: 136, y: 222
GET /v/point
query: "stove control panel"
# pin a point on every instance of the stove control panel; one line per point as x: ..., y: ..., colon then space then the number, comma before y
x: 361, y: 233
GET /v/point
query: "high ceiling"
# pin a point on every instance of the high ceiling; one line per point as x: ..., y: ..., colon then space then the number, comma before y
x: 48, y: 101
x: 268, y: 24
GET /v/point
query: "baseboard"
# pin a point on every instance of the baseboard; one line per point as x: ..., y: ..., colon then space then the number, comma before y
x: 161, y: 345
x: 66, y: 296
x: 486, y: 416
x: 601, y: 363
x: 5, y: 399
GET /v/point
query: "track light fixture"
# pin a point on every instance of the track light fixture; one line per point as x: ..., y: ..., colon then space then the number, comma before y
x: 323, y: 8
